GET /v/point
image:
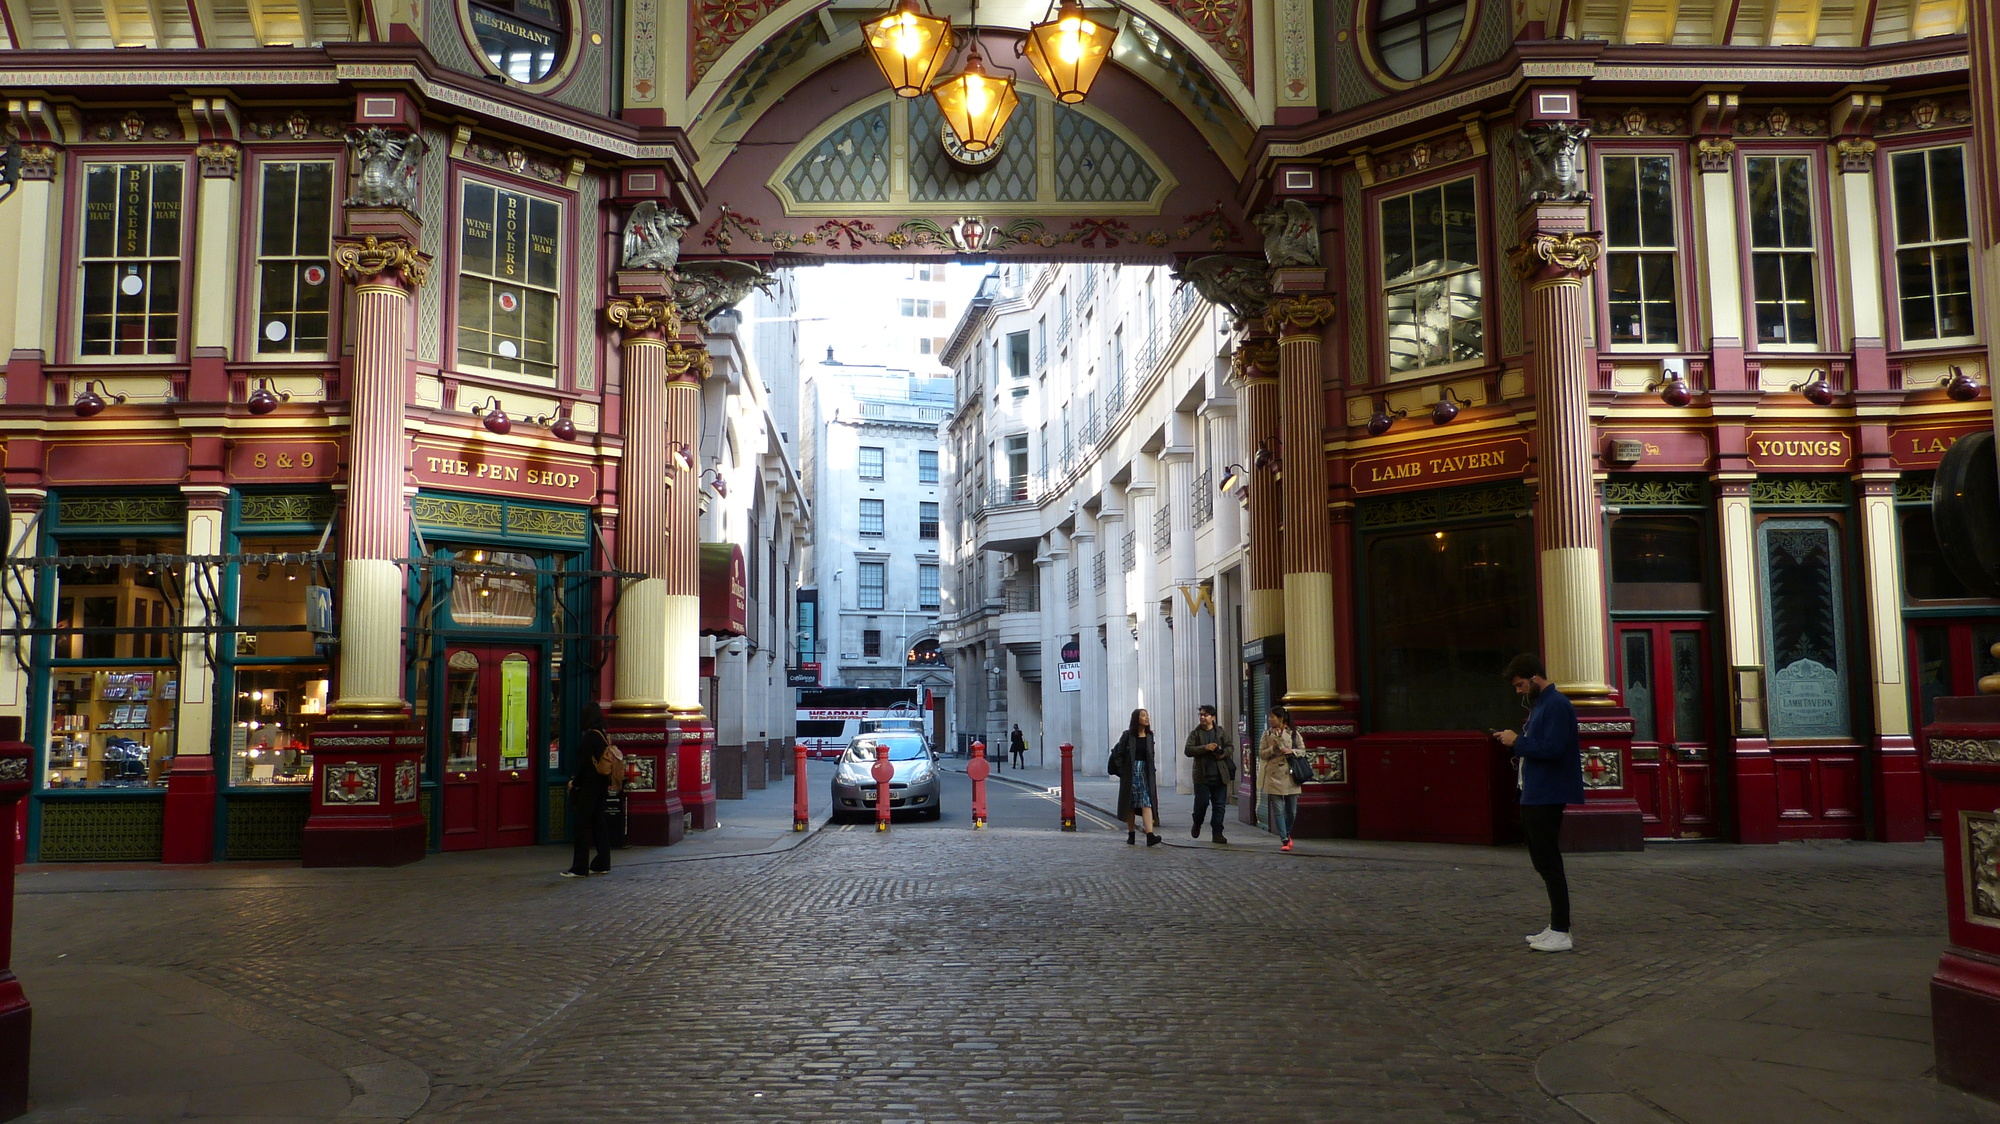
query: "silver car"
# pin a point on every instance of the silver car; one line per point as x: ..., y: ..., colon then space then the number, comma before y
x: 915, y: 787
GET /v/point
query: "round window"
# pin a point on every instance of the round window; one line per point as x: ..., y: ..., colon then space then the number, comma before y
x: 1414, y: 38
x: 522, y: 39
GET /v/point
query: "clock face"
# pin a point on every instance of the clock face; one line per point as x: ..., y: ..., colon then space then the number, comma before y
x: 956, y: 150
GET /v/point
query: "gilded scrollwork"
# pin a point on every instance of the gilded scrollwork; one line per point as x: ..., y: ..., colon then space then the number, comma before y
x: 1300, y: 314
x: 219, y: 160
x: 1969, y: 751
x: 688, y: 364
x: 1714, y: 154
x: 1982, y: 867
x: 1566, y: 253
x: 373, y: 257
x: 1254, y: 359
x: 637, y: 315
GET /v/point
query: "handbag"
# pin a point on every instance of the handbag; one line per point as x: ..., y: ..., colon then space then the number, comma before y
x: 1301, y: 767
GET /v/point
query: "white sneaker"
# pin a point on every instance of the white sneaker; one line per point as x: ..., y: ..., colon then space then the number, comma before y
x: 1532, y: 938
x: 1552, y: 942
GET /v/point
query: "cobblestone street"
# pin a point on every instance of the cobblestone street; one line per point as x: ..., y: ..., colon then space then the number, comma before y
x: 938, y: 974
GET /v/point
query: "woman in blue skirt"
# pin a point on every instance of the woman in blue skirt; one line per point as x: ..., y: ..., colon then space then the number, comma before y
x: 1134, y: 763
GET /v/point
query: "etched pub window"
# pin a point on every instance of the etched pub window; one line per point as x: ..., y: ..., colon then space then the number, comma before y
x: 522, y: 39
x: 1430, y: 278
x: 509, y: 263
x: 131, y: 259
x: 294, y: 244
x: 1804, y: 628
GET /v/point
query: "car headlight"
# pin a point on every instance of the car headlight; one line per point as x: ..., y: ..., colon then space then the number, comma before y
x: 854, y: 775
x: 920, y: 775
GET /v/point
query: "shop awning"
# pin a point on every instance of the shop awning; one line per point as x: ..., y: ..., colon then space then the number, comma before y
x: 725, y: 590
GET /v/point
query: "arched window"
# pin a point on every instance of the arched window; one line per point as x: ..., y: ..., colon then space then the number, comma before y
x: 925, y: 652
x: 1413, y: 38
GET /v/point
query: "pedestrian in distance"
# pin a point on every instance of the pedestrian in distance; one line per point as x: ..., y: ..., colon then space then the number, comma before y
x: 1017, y: 746
x: 1136, y: 765
x: 1214, y: 770
x: 1550, y: 770
x: 1281, y: 793
x: 589, y: 789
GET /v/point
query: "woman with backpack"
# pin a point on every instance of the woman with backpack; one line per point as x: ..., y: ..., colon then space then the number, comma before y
x: 588, y: 791
x: 1280, y: 783
x: 1135, y: 763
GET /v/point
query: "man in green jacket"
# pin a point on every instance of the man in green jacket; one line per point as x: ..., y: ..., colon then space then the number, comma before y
x: 1214, y: 770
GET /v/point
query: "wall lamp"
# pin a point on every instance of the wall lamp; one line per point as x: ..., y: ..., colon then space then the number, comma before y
x: 94, y: 398
x: 1267, y: 456
x: 1673, y: 387
x: 683, y: 457
x: 264, y: 399
x: 1817, y: 390
x: 559, y: 425
x: 1232, y: 478
x: 493, y: 417
x: 1958, y: 386
x: 715, y: 480
x: 1383, y: 418
x: 1448, y: 406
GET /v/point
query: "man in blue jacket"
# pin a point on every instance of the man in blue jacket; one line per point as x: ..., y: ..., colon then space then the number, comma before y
x: 1551, y: 771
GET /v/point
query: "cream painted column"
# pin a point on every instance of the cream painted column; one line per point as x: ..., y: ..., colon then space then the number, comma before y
x: 375, y: 528
x: 1184, y: 693
x: 686, y: 368
x: 1723, y: 279
x: 1120, y: 646
x: 1741, y: 627
x: 1256, y: 367
x: 1862, y: 269
x: 1567, y: 523
x: 1882, y: 560
x: 1086, y: 731
x: 1142, y: 596
x: 639, y: 667
x: 207, y: 506
x: 217, y: 237
x: 1309, y: 652
x: 38, y: 203
x: 24, y: 540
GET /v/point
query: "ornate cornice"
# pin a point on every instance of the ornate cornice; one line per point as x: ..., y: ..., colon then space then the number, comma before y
x: 219, y: 160
x: 1255, y: 361
x: 372, y: 258
x: 1714, y: 154
x: 1566, y: 254
x: 637, y: 316
x: 1857, y: 154
x: 1974, y: 751
x: 1294, y: 315
x: 688, y: 364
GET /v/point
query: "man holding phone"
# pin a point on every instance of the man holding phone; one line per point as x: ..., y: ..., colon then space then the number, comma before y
x: 1550, y: 766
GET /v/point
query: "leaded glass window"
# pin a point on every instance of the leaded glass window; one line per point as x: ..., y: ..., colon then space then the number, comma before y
x: 1431, y: 279
x: 509, y: 262
x: 1804, y: 628
x: 294, y: 243
x: 131, y: 255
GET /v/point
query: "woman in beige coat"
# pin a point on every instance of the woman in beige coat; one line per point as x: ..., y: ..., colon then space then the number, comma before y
x: 1281, y: 792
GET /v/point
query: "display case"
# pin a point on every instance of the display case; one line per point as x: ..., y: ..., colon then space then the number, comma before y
x: 272, y: 719
x: 111, y: 727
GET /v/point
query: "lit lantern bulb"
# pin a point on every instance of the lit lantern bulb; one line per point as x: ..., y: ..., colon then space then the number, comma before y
x: 976, y: 97
x: 1069, y: 46
x: 909, y: 41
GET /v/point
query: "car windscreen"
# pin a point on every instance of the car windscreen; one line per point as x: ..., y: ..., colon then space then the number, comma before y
x: 900, y: 749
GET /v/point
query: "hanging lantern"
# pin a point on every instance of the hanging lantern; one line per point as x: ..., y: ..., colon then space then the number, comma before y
x: 1067, y: 51
x: 910, y: 46
x: 976, y: 104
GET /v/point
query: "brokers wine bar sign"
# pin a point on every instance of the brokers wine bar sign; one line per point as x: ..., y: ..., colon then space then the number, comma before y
x: 1408, y: 469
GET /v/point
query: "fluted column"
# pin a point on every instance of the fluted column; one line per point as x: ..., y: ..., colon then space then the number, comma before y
x: 1121, y: 656
x: 1308, y: 554
x: 375, y: 531
x: 1256, y: 368
x: 685, y: 367
x: 1567, y: 534
x: 1184, y: 691
x: 1086, y: 728
x: 639, y: 674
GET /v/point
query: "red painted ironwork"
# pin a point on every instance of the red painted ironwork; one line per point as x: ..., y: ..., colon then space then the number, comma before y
x: 978, y: 769
x: 1068, y: 786
x: 883, y: 771
x: 801, y: 816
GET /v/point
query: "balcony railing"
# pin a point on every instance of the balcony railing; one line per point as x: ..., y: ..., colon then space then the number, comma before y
x: 1074, y: 593
x: 1022, y: 595
x: 1184, y: 303
x: 1017, y: 490
x: 1097, y: 570
x: 1131, y: 551
x: 1204, y: 498
x: 1163, y: 529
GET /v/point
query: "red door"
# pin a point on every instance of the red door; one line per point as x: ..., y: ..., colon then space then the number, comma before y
x: 1663, y: 669
x: 489, y: 774
x: 1947, y: 657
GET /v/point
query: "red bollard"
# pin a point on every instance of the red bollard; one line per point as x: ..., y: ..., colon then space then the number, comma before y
x: 883, y: 771
x: 1068, y: 786
x: 801, y: 813
x: 977, y: 769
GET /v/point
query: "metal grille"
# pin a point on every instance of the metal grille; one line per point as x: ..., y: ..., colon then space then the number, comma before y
x: 266, y: 827
x: 1790, y: 490
x: 1131, y: 550
x: 1149, y: 357
x: 1185, y: 301
x: 1023, y: 595
x: 1163, y: 529
x: 1097, y: 571
x: 1653, y: 492
x: 114, y: 829
x: 1075, y: 594
x: 1114, y: 401
x: 1086, y: 288
x: 1204, y: 498
x: 1915, y: 487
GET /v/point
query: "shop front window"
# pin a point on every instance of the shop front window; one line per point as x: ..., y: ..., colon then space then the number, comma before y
x: 509, y: 265
x: 1656, y: 562
x: 131, y: 251
x: 1447, y: 610
x: 114, y: 685
x: 504, y: 596
x: 1804, y: 628
x: 280, y: 680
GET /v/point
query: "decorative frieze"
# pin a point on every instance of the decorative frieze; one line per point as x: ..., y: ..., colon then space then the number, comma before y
x: 1621, y: 728
x: 1329, y: 766
x: 351, y: 784
x: 638, y: 315
x: 1779, y: 122
x: 406, y: 782
x: 516, y: 160
x: 218, y: 160
x: 969, y: 235
x: 134, y: 127
x: 1925, y: 114
x: 1603, y: 768
x: 372, y: 258
x: 297, y: 127
x: 1970, y: 751
x: 1642, y: 121
x: 1714, y: 154
x: 1981, y: 858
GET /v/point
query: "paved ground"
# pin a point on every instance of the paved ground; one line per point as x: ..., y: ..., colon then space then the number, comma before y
x: 1016, y: 974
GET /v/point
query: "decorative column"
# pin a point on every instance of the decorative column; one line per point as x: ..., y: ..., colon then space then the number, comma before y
x: 1753, y: 773
x: 1087, y: 721
x: 1556, y: 255
x: 638, y: 716
x: 1255, y: 366
x: 1965, y: 993
x: 1899, y: 780
x: 365, y: 809
x: 1326, y: 808
x: 1121, y: 656
x: 686, y: 367
x: 1183, y: 691
x: 1715, y: 156
x: 188, y: 834
x: 1058, y: 620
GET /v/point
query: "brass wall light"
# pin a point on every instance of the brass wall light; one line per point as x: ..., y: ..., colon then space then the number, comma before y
x: 1673, y: 387
x: 493, y: 417
x: 264, y: 399
x: 94, y: 398
x: 1958, y: 386
x: 1816, y: 389
x: 1232, y: 478
x: 683, y: 457
x: 559, y: 425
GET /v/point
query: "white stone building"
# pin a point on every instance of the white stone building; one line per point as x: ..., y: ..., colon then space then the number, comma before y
x: 1095, y: 420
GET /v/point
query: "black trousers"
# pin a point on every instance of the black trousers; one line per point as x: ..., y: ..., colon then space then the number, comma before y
x: 589, y: 827
x: 1543, y: 824
x: 1209, y: 794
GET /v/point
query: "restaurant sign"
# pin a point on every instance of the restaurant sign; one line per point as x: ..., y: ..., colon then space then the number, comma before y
x: 470, y: 468
x: 1407, y: 469
x: 1924, y: 445
x: 1799, y: 449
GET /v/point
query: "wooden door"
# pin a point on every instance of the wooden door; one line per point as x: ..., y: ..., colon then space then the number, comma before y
x: 1664, y: 675
x: 489, y: 773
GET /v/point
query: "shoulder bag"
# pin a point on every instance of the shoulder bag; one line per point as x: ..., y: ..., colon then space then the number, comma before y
x: 1299, y: 764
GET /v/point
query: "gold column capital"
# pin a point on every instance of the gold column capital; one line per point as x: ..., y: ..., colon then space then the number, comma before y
x: 688, y: 364
x: 1299, y: 315
x: 371, y: 259
x: 1256, y: 360
x: 1567, y: 254
x: 638, y: 316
